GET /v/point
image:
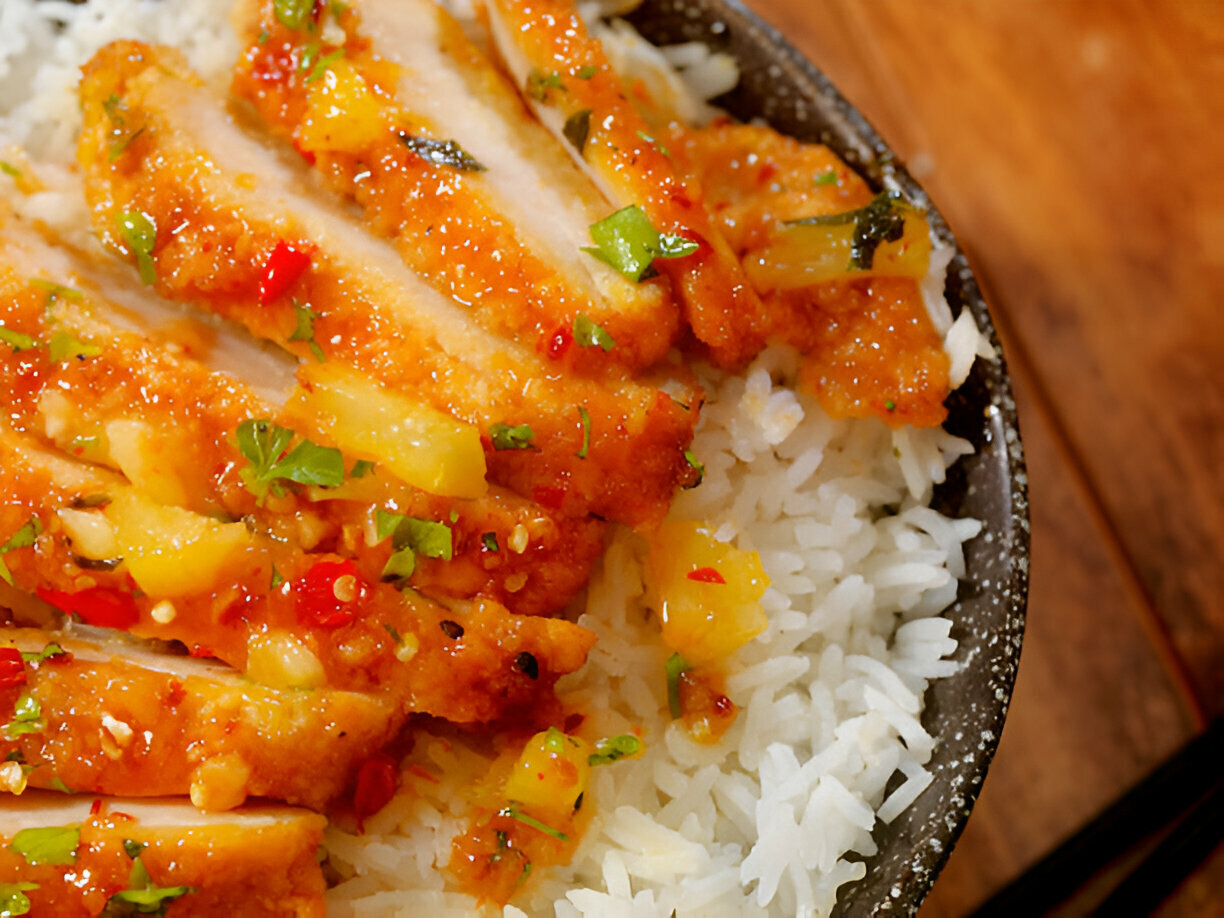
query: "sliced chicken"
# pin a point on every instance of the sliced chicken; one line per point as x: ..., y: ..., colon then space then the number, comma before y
x: 408, y: 119
x: 101, y: 714
x: 284, y: 617
x: 221, y: 206
x: 565, y: 75
x: 71, y: 856
x: 139, y: 404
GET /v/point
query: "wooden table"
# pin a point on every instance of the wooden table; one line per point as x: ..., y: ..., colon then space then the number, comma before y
x: 1077, y: 149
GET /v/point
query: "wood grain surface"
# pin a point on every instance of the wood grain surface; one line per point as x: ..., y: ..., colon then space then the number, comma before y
x: 1077, y: 149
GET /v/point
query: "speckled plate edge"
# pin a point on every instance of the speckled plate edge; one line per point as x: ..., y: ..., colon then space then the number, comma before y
x: 965, y: 712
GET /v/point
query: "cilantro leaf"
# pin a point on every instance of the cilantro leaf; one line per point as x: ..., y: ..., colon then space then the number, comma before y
x: 16, y: 340
x: 882, y: 220
x: 323, y: 63
x: 51, y: 650
x: 675, y: 668
x: 588, y: 334
x: 585, y: 73
x: 139, y: 234
x: 22, y: 538
x: 56, y: 291
x: 586, y: 433
x: 539, y: 83
x: 55, y: 845
x: 513, y: 812
x: 13, y: 898
x: 506, y: 437
x: 629, y: 242
x: 143, y: 897
x: 826, y: 178
x: 361, y: 468
x: 691, y: 459
x: 264, y: 444
x: 305, y: 329
x: 411, y: 537
x: 489, y: 541
x: 578, y: 128
x: 64, y: 346
x: 27, y: 717
x: 441, y: 152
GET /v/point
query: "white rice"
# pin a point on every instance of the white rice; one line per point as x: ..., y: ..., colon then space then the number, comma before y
x: 774, y: 818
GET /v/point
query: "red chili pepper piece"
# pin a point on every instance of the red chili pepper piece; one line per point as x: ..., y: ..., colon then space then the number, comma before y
x: 705, y: 575
x: 12, y: 667
x: 377, y: 780
x: 284, y: 266
x: 330, y: 594
x: 559, y: 342
x: 100, y: 606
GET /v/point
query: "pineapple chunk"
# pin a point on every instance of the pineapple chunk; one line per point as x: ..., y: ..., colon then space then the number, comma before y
x: 147, y: 458
x: 170, y: 551
x: 707, y: 593
x: 417, y: 443
x: 92, y: 534
x: 342, y: 113
x: 279, y: 660
x: 550, y: 775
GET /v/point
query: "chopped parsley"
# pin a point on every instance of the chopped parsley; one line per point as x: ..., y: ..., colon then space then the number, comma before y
x: 276, y: 580
x: 629, y: 242
x: 539, y: 83
x: 51, y: 650
x: 646, y: 137
x: 585, y: 73
x: 578, y: 128
x: 305, y: 329
x: 143, y: 897
x: 691, y: 459
x: 16, y: 340
x: 139, y: 234
x: 489, y: 541
x: 266, y: 446
x: 13, y: 898
x: 22, y: 538
x: 826, y: 178
x: 411, y: 537
x: 675, y: 668
x: 506, y: 437
x: 56, y: 845
x: 323, y: 63
x: 64, y: 346
x: 588, y: 334
x: 883, y: 220
x: 55, y: 291
x: 513, y: 812
x: 586, y: 433
x: 361, y: 468
x: 441, y: 152
x: 293, y: 14
x: 613, y: 748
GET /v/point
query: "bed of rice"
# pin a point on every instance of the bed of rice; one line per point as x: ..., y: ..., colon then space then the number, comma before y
x: 773, y: 819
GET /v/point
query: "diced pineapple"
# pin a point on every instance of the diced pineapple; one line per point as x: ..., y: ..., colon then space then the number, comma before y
x: 707, y: 593
x: 342, y: 113
x: 279, y: 660
x: 92, y: 534
x: 148, y: 458
x: 550, y: 775
x: 415, y: 442
x: 802, y: 255
x: 170, y: 551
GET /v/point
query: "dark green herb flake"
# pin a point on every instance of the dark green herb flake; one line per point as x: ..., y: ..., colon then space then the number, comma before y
x: 691, y: 459
x: 506, y: 437
x: 675, y: 668
x: 613, y: 748
x: 16, y: 340
x: 539, y: 83
x: 323, y: 63
x: 305, y: 329
x: 264, y: 445
x: 588, y: 334
x: 361, y: 468
x: 883, y: 220
x: 139, y: 234
x: 22, y: 538
x: 826, y: 178
x: 629, y: 242
x: 52, y: 649
x: 143, y: 897
x: 586, y: 432
x: 441, y: 152
x: 578, y: 128
x: 489, y: 541
x: 513, y: 812
x: 64, y: 346
x: 56, y: 845
x: 585, y: 73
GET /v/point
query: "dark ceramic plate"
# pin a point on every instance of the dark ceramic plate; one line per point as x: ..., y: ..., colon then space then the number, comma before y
x: 965, y: 712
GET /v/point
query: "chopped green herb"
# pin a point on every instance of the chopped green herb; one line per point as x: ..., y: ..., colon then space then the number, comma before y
x: 441, y: 152
x: 10, y: 170
x: 139, y: 234
x: 57, y: 784
x: 578, y: 128
x: 323, y: 63
x: 55, y: 291
x: 305, y: 329
x: 489, y: 541
x: 133, y: 849
x: 513, y: 812
x: 143, y: 897
x: 411, y: 537
x: 27, y: 717
x: 883, y: 220
x: 826, y: 178
x: 586, y: 433
x: 539, y: 83
x: 675, y: 668
x: 119, y: 147
x: 115, y: 108
x: 613, y: 748
x: 692, y: 461
x: 293, y: 14
x: 400, y: 566
x: 585, y: 73
x: 361, y: 468
x: 890, y: 405
x: 263, y: 36
x: 629, y: 242
x: 64, y: 346
x: 16, y: 340
x: 276, y: 580
x: 51, y: 650
x: 646, y: 137
x: 394, y: 632
x: 588, y: 334
x: 13, y: 898
x: 264, y: 445
x: 506, y: 437
x: 22, y: 538
x: 56, y: 845
x: 309, y: 53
